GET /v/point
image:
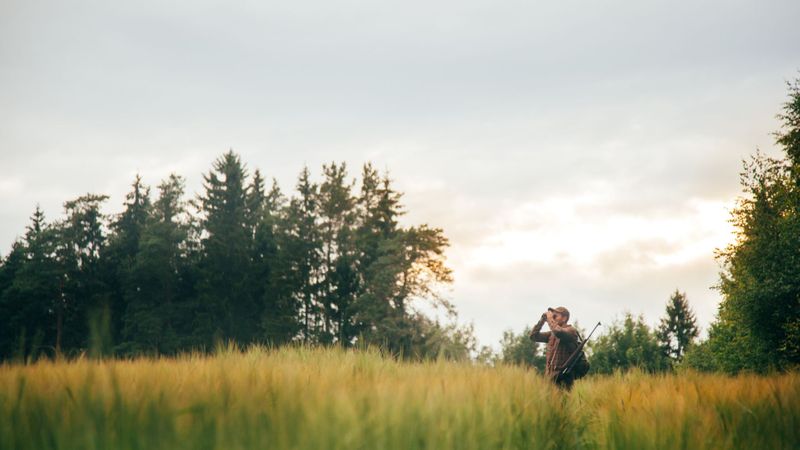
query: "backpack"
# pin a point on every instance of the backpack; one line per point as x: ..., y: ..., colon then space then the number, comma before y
x: 581, y: 365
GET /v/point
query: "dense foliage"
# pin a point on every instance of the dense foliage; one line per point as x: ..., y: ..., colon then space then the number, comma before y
x: 628, y: 344
x: 520, y: 349
x: 758, y: 323
x: 241, y: 262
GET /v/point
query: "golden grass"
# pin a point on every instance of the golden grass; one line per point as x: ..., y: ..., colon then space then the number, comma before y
x: 305, y: 398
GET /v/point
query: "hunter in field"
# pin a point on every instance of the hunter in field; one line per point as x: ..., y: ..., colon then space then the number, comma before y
x: 562, y: 342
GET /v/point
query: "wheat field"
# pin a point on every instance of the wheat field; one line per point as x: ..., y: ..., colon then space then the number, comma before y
x: 311, y: 398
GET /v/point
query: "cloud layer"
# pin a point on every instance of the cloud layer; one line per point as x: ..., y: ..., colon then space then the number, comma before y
x: 579, y: 153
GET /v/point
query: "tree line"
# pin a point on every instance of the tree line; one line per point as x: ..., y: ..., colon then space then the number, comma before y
x: 242, y: 262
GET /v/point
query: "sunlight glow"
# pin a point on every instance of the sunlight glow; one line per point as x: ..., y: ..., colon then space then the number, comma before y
x: 587, y: 231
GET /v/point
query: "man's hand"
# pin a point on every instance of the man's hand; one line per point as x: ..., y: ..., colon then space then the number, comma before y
x: 544, y: 317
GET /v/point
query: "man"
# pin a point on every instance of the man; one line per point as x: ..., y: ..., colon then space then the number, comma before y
x: 562, y: 340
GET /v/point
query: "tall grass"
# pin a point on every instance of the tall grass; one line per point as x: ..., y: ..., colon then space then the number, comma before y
x: 304, y: 398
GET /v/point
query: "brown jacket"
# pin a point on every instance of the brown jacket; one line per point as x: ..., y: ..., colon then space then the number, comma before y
x: 561, y: 343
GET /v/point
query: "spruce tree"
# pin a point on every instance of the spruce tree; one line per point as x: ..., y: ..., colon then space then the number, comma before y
x: 255, y: 202
x: 280, y: 320
x: 337, y: 216
x: 9, y: 267
x: 123, y: 246
x: 81, y: 243
x: 227, y: 310
x: 395, y: 266
x: 376, y: 226
x: 33, y: 293
x: 678, y: 329
x: 301, y: 254
x: 152, y: 319
x: 262, y: 249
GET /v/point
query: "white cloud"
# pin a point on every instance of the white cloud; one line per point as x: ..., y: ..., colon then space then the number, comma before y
x: 558, y: 229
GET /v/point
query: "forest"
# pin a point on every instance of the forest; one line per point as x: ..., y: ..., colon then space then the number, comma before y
x: 241, y: 262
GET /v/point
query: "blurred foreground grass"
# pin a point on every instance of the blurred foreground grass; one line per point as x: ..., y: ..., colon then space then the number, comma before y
x: 303, y: 398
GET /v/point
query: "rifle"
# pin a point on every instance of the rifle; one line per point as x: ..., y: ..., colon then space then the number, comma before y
x: 574, y: 357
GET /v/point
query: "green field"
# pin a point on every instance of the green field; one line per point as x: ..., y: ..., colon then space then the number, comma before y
x: 302, y: 398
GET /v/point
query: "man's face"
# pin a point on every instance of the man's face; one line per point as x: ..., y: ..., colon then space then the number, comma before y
x: 559, y: 318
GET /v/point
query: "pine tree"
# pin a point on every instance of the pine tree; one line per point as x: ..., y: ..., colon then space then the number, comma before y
x: 377, y: 209
x: 395, y: 266
x: 280, y: 321
x: 255, y: 202
x: 81, y: 242
x: 678, y: 328
x: 9, y: 267
x: 123, y: 246
x: 151, y: 321
x: 337, y: 215
x: 33, y: 292
x: 228, y: 311
x: 127, y: 227
x: 262, y: 248
x: 301, y: 254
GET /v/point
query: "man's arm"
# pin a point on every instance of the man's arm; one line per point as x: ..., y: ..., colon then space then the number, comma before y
x: 537, y: 335
x: 567, y: 332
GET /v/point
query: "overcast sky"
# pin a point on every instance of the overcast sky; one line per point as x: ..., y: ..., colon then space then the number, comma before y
x: 583, y: 154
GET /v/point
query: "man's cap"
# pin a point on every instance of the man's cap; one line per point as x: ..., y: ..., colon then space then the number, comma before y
x: 560, y: 310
